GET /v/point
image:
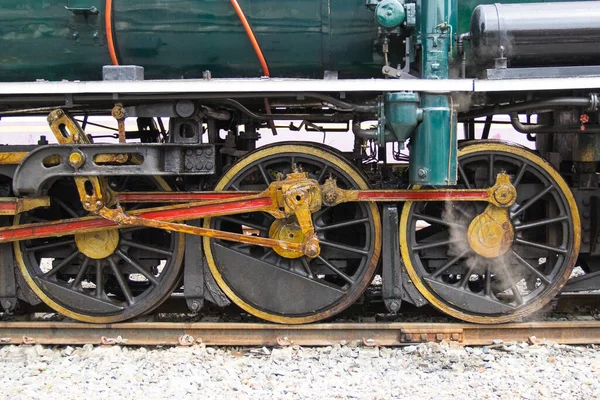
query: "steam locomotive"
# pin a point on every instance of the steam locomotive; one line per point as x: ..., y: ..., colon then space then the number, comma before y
x: 105, y: 229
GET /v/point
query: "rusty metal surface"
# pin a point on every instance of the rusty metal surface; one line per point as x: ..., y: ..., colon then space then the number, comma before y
x: 17, y: 205
x: 255, y: 334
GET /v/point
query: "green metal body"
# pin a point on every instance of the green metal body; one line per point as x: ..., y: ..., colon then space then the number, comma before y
x: 42, y: 39
x: 390, y: 13
x: 402, y: 115
x: 434, y: 142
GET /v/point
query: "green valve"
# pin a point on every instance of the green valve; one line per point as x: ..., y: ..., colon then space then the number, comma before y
x: 390, y: 13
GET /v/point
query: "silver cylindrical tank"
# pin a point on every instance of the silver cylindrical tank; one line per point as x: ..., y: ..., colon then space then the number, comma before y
x: 537, y: 34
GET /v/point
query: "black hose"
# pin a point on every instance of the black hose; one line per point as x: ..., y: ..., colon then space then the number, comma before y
x: 590, y: 102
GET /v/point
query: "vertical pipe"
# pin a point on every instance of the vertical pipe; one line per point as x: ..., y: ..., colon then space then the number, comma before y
x: 434, y: 144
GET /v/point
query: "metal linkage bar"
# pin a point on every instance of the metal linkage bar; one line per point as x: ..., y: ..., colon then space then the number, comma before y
x: 188, y: 211
x: 177, y: 197
x: 256, y: 334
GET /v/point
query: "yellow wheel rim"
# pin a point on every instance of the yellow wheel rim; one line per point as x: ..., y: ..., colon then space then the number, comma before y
x: 341, y: 165
x: 176, y: 264
x: 549, y: 292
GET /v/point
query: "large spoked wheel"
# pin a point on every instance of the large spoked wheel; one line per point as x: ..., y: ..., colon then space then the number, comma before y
x: 105, y: 276
x: 459, y: 281
x: 296, y: 290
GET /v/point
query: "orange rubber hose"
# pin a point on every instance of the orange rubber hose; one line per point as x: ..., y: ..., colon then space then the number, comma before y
x: 109, y: 32
x: 253, y: 41
x: 259, y: 54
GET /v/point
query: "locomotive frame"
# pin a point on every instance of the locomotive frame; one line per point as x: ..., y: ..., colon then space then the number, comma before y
x: 487, y: 232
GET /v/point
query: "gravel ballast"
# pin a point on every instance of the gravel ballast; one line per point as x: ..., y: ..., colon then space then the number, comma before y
x: 426, y: 371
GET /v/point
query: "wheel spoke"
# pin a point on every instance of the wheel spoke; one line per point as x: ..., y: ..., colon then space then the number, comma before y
x: 62, y: 264
x: 322, y: 211
x: 249, y: 224
x: 51, y: 245
x: 344, y: 224
x: 336, y: 270
x: 434, y: 244
x: 65, y: 207
x: 306, y: 267
x: 535, y: 198
x: 340, y: 246
x: 151, y: 278
x: 121, y: 281
x: 531, y: 268
x: 144, y: 247
x: 491, y: 177
x: 463, y: 176
x: 488, y: 281
x: 264, y: 174
x: 520, y: 175
x: 541, y: 246
x: 439, y: 221
x: 267, y: 254
x: 444, y: 267
x: 99, y: 279
x: 464, y: 281
x: 511, y: 283
x: 81, y: 273
x: 322, y: 174
x: 541, y: 222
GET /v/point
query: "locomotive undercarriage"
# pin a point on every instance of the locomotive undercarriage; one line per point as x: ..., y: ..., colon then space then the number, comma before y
x: 291, y: 232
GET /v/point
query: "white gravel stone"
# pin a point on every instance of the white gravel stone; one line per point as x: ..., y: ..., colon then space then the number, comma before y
x: 425, y: 371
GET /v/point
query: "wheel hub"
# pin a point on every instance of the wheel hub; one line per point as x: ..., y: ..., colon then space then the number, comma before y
x: 97, y: 245
x: 290, y: 231
x: 491, y: 233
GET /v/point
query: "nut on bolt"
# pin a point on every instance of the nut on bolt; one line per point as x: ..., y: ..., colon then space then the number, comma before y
x: 312, y: 248
x: 118, y: 112
x: 54, y: 115
x: 504, y: 194
x: 76, y: 159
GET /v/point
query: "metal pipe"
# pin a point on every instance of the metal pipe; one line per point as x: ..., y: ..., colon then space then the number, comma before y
x: 590, y: 103
x: 460, y: 48
x: 486, y: 128
x: 367, y: 134
x: 265, y: 117
x: 520, y: 127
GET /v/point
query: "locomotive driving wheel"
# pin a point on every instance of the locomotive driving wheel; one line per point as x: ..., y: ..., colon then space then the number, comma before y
x: 288, y: 288
x: 494, y: 272
x: 105, y: 276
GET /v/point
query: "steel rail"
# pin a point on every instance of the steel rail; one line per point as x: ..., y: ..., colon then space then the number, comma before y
x: 259, y: 334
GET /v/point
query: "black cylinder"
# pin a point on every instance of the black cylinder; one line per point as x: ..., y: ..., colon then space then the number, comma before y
x: 537, y: 34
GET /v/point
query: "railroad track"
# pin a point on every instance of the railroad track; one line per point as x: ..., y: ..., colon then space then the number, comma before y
x: 266, y: 334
